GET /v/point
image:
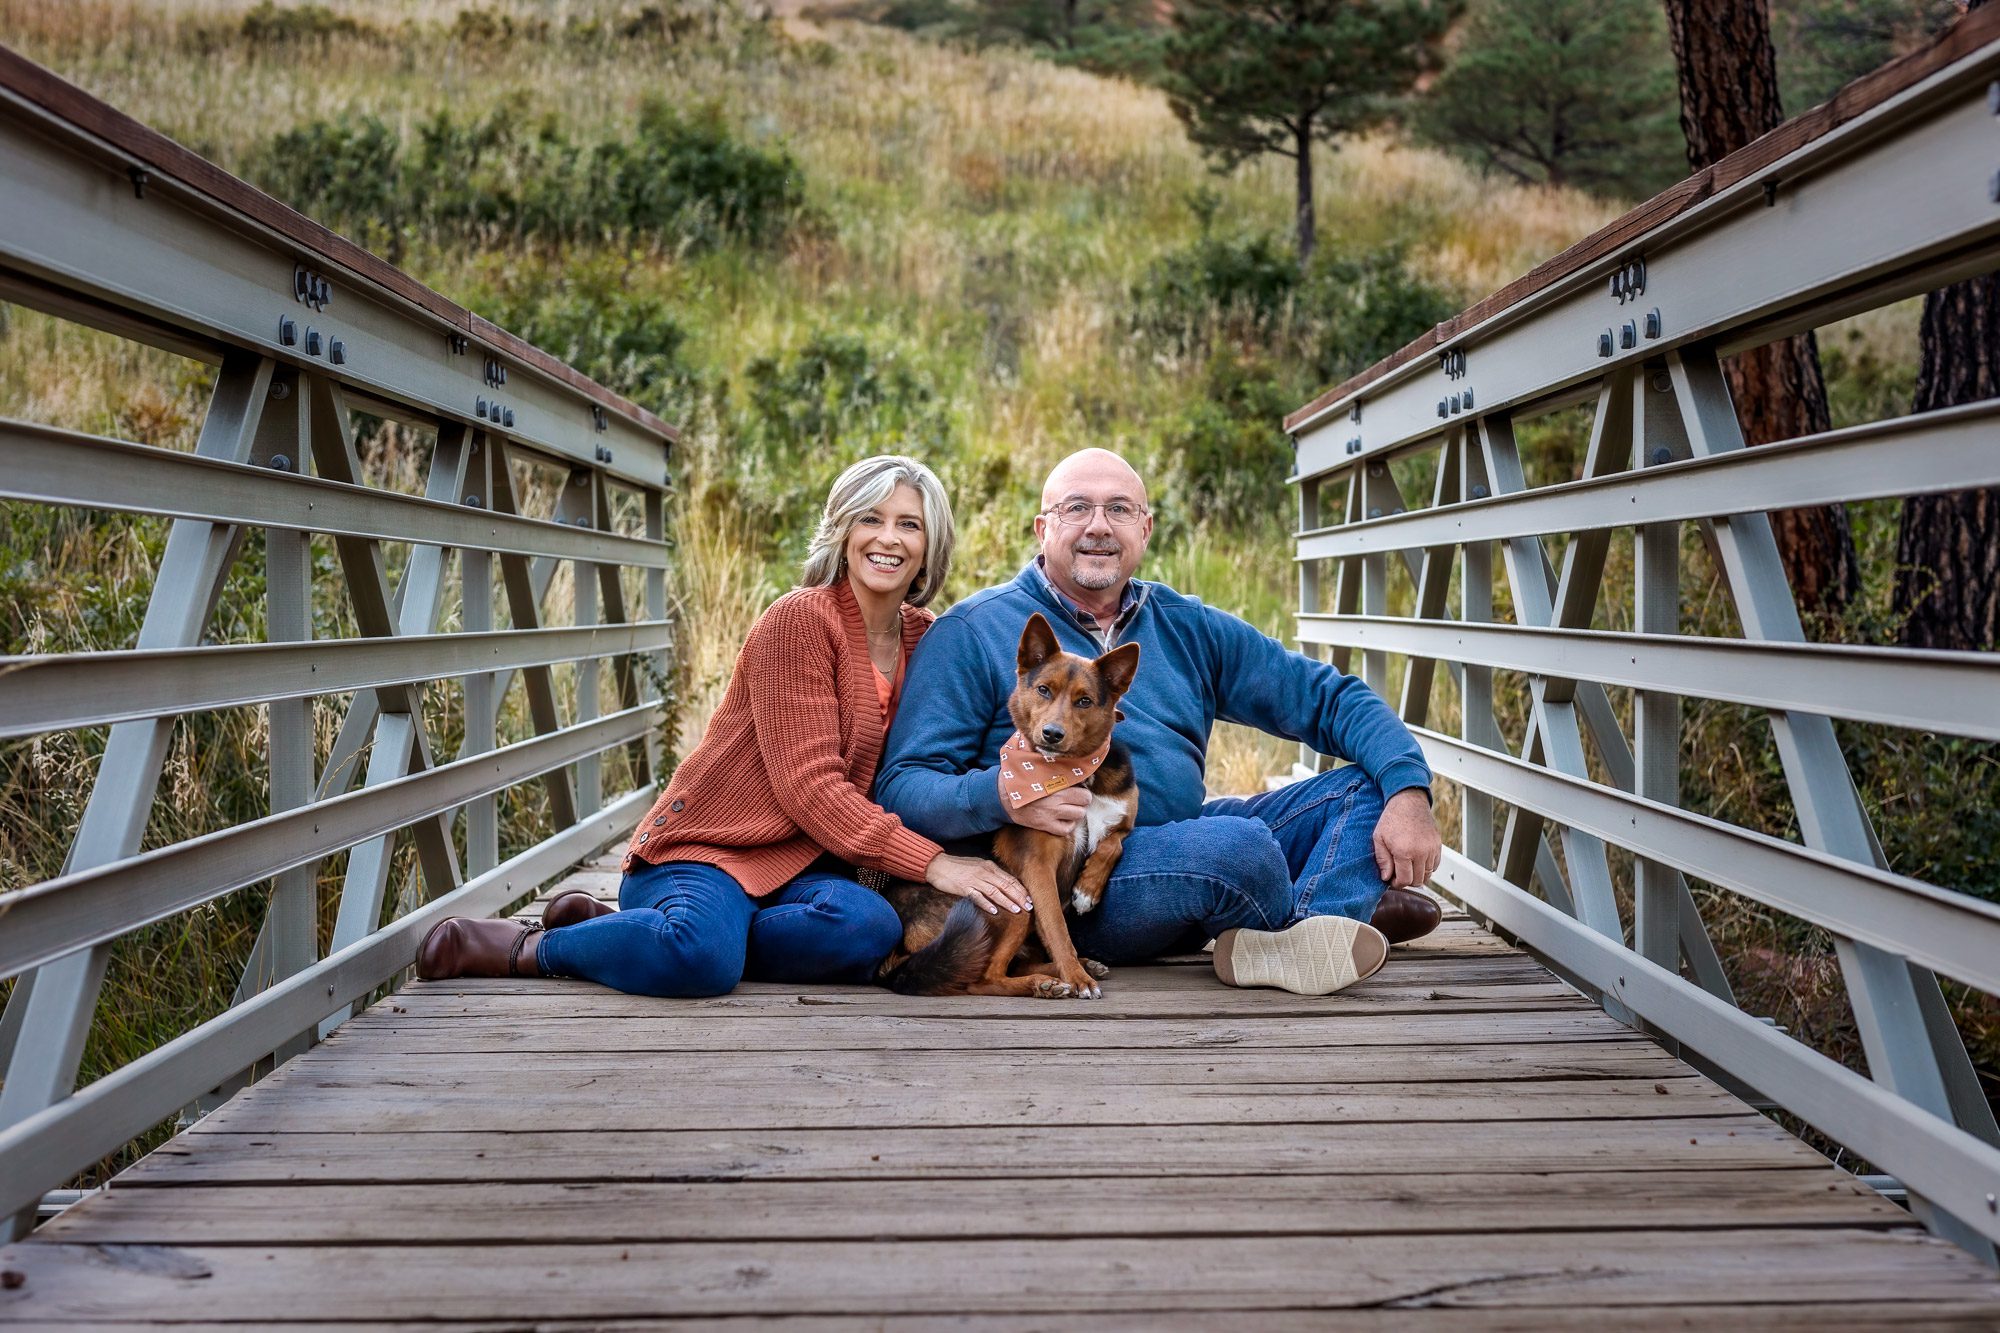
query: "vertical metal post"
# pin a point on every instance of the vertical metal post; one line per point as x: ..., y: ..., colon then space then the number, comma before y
x: 1309, y: 595
x: 62, y: 997
x: 1476, y: 720
x: 1378, y: 501
x: 656, y: 610
x: 590, y: 768
x: 1656, y: 714
x: 482, y: 824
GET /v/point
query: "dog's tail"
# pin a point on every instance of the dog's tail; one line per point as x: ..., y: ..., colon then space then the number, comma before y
x: 951, y: 962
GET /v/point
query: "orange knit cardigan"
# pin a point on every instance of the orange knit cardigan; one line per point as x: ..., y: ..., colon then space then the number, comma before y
x: 784, y: 769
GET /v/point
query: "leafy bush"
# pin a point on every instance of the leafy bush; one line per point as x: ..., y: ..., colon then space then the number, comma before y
x: 1245, y: 293
x: 682, y: 179
x: 1226, y: 453
x: 296, y: 23
x: 591, y: 317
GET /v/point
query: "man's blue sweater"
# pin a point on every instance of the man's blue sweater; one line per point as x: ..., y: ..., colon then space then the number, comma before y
x: 1196, y: 664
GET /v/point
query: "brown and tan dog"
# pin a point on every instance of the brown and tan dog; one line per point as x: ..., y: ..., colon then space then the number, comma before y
x: 1063, y: 708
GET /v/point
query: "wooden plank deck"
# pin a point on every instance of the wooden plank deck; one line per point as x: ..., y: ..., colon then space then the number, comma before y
x: 1460, y: 1142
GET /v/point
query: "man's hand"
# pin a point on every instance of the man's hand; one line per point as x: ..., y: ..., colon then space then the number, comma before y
x: 1407, y: 845
x: 1056, y: 813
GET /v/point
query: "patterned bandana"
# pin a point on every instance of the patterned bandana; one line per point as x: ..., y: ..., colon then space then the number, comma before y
x: 1026, y: 777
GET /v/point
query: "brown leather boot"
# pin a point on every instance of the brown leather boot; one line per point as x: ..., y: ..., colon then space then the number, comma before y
x: 464, y: 946
x: 566, y: 909
x: 1404, y: 915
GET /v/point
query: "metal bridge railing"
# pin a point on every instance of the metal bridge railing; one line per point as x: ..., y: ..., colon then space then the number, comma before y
x: 108, y: 224
x: 1880, y: 195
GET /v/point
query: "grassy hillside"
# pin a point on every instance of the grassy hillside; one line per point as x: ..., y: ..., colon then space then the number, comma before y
x: 977, y: 257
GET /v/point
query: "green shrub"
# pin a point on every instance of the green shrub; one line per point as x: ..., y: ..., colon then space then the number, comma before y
x: 1363, y: 308
x: 1226, y: 453
x: 683, y: 179
x: 591, y: 317
x: 296, y: 23
x: 1221, y: 289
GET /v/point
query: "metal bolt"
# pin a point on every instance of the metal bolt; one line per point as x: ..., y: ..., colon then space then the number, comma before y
x: 1375, y: 511
x: 336, y: 352
x: 312, y: 342
x: 1468, y: 400
x: 1457, y: 403
x: 1374, y: 469
x: 1444, y: 407
x: 1993, y: 105
x: 1628, y: 336
x: 1993, y: 188
x: 1661, y: 382
x: 329, y: 988
x: 288, y: 333
x: 1654, y: 324
x: 1355, y: 414
x: 140, y: 176
x: 281, y: 389
x: 1663, y: 455
x: 1480, y: 492
x: 1771, y: 192
x: 1604, y: 343
x: 280, y: 463
x: 1993, y: 1203
x: 473, y: 502
x: 508, y: 416
x: 481, y: 409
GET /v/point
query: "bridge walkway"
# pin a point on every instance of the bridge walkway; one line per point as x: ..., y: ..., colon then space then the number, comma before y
x: 1462, y: 1141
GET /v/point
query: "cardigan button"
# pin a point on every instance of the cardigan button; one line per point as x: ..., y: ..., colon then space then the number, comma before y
x: 676, y: 807
x: 663, y: 819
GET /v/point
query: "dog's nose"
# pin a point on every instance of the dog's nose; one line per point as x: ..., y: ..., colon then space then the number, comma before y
x: 1052, y: 735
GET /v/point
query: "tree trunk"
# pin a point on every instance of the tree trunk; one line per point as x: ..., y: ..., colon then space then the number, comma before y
x: 1729, y: 96
x: 1948, y: 550
x: 1306, y: 228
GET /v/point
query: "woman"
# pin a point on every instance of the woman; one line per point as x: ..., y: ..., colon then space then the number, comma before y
x: 742, y: 868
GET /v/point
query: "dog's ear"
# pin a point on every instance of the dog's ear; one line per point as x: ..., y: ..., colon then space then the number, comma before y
x: 1038, y: 644
x: 1118, y: 667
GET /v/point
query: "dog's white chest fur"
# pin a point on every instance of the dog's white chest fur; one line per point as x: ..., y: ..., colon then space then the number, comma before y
x: 1104, y: 811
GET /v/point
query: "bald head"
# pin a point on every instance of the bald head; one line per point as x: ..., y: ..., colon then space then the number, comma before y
x: 1088, y: 471
x: 1089, y: 556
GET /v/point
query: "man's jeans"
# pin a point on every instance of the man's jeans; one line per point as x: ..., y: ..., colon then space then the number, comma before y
x: 1306, y: 849
x: 686, y: 929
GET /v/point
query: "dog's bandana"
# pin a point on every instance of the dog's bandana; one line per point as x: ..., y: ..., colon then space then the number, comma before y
x: 1026, y: 777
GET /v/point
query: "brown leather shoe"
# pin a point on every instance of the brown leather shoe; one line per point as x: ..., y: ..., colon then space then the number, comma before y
x: 566, y: 909
x: 1404, y: 915
x: 464, y: 946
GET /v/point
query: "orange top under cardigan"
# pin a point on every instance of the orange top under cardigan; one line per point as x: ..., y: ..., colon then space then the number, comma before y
x: 784, y: 769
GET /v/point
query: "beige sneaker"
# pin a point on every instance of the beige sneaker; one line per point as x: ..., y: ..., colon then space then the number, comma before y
x: 1318, y: 956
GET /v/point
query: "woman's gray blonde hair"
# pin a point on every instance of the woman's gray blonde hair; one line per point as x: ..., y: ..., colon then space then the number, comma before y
x: 858, y: 490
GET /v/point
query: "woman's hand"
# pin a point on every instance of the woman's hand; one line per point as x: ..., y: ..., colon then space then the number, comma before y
x: 980, y: 880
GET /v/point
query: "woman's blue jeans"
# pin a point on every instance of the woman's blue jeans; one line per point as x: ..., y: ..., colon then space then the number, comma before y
x: 686, y: 929
x: 1266, y: 861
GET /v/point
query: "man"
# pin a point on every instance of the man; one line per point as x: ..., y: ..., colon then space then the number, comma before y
x: 1301, y: 888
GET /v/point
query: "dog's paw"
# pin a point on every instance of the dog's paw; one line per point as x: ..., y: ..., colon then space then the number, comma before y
x: 1081, y: 902
x: 1048, y: 988
x: 1085, y: 986
x: 1095, y: 968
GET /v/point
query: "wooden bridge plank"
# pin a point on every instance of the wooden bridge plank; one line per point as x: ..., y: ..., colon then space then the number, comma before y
x: 544, y: 1152
x: 1260, y: 1068
x: 1360, y: 1204
x: 814, y: 1030
x: 1059, y: 1277
x: 1918, y: 1313
x: 613, y: 1100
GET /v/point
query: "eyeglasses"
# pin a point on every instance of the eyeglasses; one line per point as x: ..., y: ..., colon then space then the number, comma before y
x: 1076, y: 513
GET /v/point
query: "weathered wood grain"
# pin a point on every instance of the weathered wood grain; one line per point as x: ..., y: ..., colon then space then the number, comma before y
x: 1256, y: 1067
x: 556, y: 1028
x: 482, y: 1096
x: 1359, y: 1204
x: 540, y: 1151
x: 1214, y: 1273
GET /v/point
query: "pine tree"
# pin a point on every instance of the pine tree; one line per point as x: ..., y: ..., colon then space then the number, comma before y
x: 1249, y: 77
x: 1562, y: 92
